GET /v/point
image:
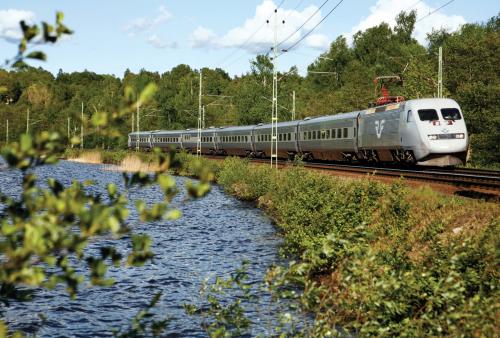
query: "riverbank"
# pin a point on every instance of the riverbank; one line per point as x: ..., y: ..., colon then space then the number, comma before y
x: 372, y: 258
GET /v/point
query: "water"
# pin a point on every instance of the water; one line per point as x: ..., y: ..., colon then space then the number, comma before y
x: 213, y: 237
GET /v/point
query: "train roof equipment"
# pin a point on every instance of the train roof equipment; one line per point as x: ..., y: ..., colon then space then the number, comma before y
x: 386, y: 98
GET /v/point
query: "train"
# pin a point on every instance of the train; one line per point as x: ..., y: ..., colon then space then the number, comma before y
x: 422, y: 132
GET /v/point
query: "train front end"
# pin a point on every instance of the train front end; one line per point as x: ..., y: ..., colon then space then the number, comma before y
x: 441, y: 130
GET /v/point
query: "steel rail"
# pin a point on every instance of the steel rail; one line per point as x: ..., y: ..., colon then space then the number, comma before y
x: 464, y: 177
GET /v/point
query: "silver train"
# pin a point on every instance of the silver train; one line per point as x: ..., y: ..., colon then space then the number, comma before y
x: 427, y: 132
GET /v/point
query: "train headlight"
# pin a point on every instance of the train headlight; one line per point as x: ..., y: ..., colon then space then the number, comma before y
x: 432, y: 137
x: 460, y: 135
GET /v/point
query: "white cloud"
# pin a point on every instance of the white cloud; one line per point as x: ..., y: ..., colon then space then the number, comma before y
x: 146, y: 24
x: 202, y: 37
x: 257, y: 36
x: 157, y: 42
x: 10, y: 29
x: 318, y: 41
x: 387, y: 10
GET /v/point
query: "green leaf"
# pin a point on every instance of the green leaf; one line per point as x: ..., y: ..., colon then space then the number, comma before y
x: 59, y: 17
x: 37, y: 56
x: 26, y: 142
x: 99, y: 119
x: 147, y: 93
x: 172, y: 215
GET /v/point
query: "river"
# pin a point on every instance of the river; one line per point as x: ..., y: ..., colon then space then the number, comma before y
x: 212, y: 238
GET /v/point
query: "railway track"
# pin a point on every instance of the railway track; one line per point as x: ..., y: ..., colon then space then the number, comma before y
x: 462, y: 177
x: 459, y: 177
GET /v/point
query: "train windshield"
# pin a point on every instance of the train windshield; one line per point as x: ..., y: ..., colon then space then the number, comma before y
x: 451, y: 114
x: 428, y: 115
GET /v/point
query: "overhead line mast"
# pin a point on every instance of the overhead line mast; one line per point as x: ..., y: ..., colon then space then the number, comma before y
x: 274, y: 110
x: 200, y: 113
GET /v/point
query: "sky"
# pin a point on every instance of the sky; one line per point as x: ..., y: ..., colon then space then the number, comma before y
x: 157, y: 35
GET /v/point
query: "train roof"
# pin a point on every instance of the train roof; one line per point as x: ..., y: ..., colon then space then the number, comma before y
x: 166, y: 132
x: 432, y: 100
x: 327, y: 118
x: 234, y: 128
x: 280, y: 124
x: 140, y: 133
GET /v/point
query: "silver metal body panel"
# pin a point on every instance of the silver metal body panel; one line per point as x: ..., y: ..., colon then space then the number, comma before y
x: 287, y: 138
x: 379, y: 130
x: 235, y: 140
x: 167, y: 139
x: 189, y: 140
x: 144, y: 139
x: 320, y: 136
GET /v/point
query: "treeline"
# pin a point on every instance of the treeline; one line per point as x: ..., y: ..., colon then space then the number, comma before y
x: 339, y: 80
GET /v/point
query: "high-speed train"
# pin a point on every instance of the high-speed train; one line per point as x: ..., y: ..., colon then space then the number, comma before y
x: 427, y: 132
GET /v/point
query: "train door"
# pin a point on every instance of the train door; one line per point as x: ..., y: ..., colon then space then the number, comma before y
x: 297, y: 139
x: 356, y: 132
x: 410, y: 136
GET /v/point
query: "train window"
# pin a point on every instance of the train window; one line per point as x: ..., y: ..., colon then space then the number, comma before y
x: 354, y: 131
x: 339, y: 133
x: 451, y: 114
x: 309, y: 135
x: 428, y: 115
x: 333, y: 132
x: 280, y: 137
x: 323, y: 134
x: 289, y: 136
x: 345, y: 132
x: 327, y: 134
x: 409, y: 117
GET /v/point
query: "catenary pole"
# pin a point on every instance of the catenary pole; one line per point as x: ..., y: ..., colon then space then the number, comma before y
x: 28, y: 121
x: 440, y: 73
x: 200, y: 108
x: 81, y: 130
x: 274, y: 110
x: 137, y: 126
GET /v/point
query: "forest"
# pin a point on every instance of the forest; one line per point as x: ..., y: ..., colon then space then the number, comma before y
x: 339, y: 80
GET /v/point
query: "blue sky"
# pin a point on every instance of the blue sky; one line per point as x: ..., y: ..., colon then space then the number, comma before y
x: 111, y: 36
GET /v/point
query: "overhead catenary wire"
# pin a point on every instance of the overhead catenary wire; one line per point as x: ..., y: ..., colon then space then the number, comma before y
x: 225, y: 59
x: 307, y: 34
x: 434, y: 11
x: 304, y: 23
x: 412, y: 6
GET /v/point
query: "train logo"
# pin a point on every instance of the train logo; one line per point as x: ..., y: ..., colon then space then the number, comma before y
x: 379, y: 126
